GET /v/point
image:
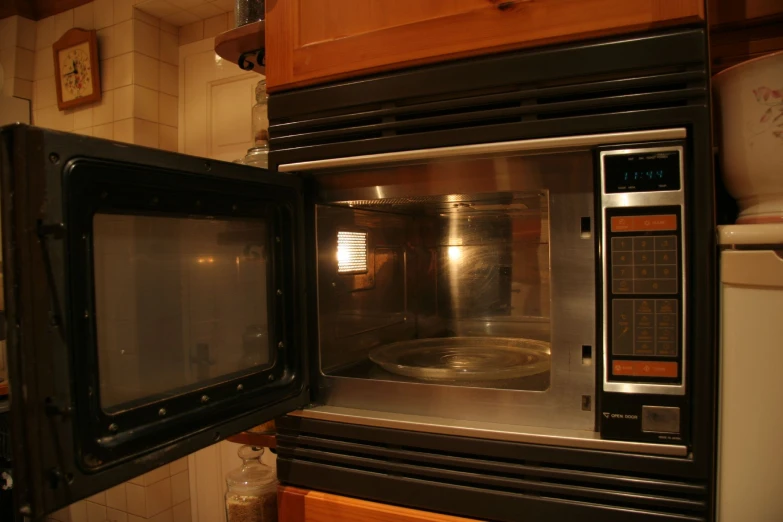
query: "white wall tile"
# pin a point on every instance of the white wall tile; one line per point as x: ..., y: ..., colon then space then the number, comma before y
x: 82, y: 117
x: 145, y: 106
x: 137, y: 504
x: 167, y: 115
x: 147, y: 18
x: 204, y: 11
x: 123, y: 104
x: 215, y: 25
x: 224, y: 5
x: 169, y: 47
x: 8, y: 60
x: 115, y: 515
x: 104, y: 131
x: 95, y: 512
x: 158, y: 495
x: 79, y: 511
x: 116, y: 498
x: 169, y: 81
x: 63, y: 515
x: 98, y: 498
x: 107, y: 42
x: 26, y: 33
x: 8, y: 32
x: 44, y: 63
x: 180, y: 485
x: 44, y: 33
x: 84, y: 16
x: 157, y: 8
x: 178, y: 465
x: 108, y: 74
x: 124, y: 34
x: 123, y: 70
x: 44, y: 93
x: 167, y: 140
x: 171, y: 29
x: 62, y: 23
x: 103, y: 12
x: 25, y: 64
x: 180, y: 18
x: 186, y: 4
x: 191, y: 32
x: 146, y: 39
x: 123, y: 10
x: 103, y: 111
x: 87, y: 131
x: 181, y: 512
x: 23, y: 88
x: 145, y: 71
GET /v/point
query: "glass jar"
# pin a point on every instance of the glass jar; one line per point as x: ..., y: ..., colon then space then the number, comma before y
x: 252, y: 489
x: 248, y: 11
x: 261, y: 116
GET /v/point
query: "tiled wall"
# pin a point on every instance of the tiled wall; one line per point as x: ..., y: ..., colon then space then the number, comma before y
x: 208, y: 28
x: 17, y: 45
x: 162, y: 495
x: 139, y: 79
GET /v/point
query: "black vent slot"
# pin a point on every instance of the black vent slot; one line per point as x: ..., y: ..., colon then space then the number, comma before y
x: 612, y: 490
x: 524, y: 103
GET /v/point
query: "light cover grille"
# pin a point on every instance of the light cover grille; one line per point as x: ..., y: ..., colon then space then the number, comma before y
x: 351, y: 252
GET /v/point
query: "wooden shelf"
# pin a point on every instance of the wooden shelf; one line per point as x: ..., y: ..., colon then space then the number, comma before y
x: 249, y: 38
x: 254, y: 439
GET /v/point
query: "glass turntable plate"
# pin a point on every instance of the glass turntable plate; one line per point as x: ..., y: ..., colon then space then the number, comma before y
x: 464, y: 358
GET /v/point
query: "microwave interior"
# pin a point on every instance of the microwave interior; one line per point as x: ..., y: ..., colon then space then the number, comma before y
x: 462, y: 289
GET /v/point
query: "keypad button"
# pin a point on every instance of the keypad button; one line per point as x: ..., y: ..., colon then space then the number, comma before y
x: 643, y: 243
x: 655, y: 286
x: 644, y: 320
x: 622, y: 258
x: 666, y: 320
x: 666, y: 306
x: 666, y: 243
x: 622, y: 326
x: 666, y: 271
x: 643, y: 258
x: 644, y: 348
x: 622, y: 272
x: 621, y: 243
x: 666, y: 257
x: 643, y: 306
x: 666, y: 348
x: 622, y: 286
x: 665, y: 334
x: 644, y: 272
x: 643, y: 335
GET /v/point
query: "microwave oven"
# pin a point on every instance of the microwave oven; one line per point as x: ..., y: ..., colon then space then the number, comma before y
x: 491, y: 293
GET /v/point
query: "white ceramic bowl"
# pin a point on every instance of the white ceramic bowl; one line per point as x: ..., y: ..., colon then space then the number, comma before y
x: 749, y: 99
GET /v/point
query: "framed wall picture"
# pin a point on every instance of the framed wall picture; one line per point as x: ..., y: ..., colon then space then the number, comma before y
x: 76, y: 69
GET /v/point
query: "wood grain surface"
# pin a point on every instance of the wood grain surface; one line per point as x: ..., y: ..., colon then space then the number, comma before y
x: 311, y: 41
x: 299, y: 505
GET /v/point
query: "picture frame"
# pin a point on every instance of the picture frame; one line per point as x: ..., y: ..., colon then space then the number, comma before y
x: 77, y: 69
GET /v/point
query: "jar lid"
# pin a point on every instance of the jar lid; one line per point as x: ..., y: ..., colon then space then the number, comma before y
x: 253, y: 475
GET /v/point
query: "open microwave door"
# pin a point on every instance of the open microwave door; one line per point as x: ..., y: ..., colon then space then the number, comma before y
x: 153, y: 307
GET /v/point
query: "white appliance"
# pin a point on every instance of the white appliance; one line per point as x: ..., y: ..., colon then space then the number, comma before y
x: 750, y: 453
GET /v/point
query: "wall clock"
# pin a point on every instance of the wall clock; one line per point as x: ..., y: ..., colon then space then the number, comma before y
x: 76, y: 71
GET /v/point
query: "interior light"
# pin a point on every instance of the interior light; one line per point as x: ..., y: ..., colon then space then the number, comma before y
x: 455, y: 253
x: 351, y: 252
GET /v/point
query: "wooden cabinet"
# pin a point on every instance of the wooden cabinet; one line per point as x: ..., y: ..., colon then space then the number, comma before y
x: 314, y: 41
x: 743, y: 29
x: 300, y: 505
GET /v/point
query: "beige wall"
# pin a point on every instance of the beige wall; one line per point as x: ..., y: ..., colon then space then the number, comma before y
x: 17, y: 45
x: 138, y: 55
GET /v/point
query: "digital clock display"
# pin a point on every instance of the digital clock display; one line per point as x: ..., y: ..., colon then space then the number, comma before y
x: 642, y: 172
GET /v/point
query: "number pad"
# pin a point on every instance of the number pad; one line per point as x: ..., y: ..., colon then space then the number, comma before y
x: 644, y: 265
x: 645, y: 327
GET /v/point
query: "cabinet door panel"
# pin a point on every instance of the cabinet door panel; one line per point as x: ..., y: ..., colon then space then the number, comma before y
x: 313, y: 41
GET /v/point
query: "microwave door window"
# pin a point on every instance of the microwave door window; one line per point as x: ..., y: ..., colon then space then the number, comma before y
x: 181, y: 303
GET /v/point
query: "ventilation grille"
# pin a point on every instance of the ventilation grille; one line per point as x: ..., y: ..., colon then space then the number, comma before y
x: 351, y: 252
x: 469, y: 111
x: 615, y: 492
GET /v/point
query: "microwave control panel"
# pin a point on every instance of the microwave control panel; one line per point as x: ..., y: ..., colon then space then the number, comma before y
x: 644, y: 271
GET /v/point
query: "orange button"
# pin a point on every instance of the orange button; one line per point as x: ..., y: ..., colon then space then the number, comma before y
x: 664, y: 222
x: 644, y: 223
x: 622, y: 224
x: 645, y: 368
